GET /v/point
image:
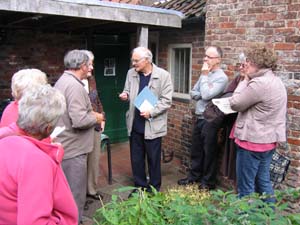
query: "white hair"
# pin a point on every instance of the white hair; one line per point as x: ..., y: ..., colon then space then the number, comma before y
x: 25, y: 79
x: 89, y: 54
x: 144, y: 53
x: 242, y: 58
x: 39, y: 107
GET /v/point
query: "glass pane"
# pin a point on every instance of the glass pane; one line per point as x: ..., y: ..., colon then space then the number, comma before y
x: 181, y: 69
x: 187, y: 71
x: 176, y: 71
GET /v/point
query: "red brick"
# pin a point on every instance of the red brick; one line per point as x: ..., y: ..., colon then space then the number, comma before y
x: 259, y: 24
x: 296, y: 105
x: 295, y: 133
x: 284, y: 46
x: 293, y: 98
x: 227, y: 25
x: 254, y: 10
x: 239, y: 31
x: 293, y: 23
x: 293, y: 141
x: 266, y: 16
x: 294, y: 7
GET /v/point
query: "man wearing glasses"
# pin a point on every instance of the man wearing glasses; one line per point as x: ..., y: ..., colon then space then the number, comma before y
x: 79, y: 121
x: 146, y: 128
x: 211, y: 83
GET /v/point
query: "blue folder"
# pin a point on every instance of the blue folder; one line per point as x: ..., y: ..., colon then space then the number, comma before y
x: 145, y: 96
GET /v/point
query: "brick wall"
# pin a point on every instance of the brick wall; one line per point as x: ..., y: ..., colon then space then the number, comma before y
x: 29, y: 49
x: 180, y: 119
x: 234, y: 24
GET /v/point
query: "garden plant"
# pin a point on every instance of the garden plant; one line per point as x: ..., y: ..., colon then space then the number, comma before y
x: 189, y: 206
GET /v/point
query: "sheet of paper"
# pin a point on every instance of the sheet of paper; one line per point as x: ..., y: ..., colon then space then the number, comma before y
x: 57, y: 131
x: 146, y: 106
x: 224, y: 105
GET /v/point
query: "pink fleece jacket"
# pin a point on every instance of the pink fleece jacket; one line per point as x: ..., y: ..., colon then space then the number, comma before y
x: 10, y: 114
x: 33, y: 188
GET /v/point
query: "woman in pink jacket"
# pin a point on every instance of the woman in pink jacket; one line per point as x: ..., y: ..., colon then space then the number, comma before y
x: 261, y: 101
x: 21, y: 81
x: 33, y: 188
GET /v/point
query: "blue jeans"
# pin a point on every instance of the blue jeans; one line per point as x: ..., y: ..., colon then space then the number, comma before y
x: 253, y: 175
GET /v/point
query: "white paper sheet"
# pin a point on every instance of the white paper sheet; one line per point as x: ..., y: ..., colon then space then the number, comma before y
x: 146, y: 106
x: 57, y: 131
x: 224, y: 105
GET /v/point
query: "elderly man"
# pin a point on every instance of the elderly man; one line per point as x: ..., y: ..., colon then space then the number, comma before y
x: 79, y: 121
x: 146, y: 128
x: 211, y: 83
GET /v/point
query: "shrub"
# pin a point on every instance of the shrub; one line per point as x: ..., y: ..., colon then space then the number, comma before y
x: 188, y: 205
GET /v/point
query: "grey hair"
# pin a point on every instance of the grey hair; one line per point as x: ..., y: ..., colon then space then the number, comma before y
x: 218, y: 50
x: 89, y: 54
x: 74, y: 59
x: 144, y: 53
x: 242, y: 58
x: 39, y: 107
x: 26, y: 79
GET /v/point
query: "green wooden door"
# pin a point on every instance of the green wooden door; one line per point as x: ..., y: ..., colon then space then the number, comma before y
x: 111, y: 66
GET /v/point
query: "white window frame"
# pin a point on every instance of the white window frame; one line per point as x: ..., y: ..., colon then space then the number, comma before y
x: 171, y: 48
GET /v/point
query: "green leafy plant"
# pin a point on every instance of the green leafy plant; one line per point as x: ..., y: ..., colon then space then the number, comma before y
x: 188, y: 205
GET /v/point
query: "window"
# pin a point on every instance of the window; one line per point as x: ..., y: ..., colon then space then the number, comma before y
x: 180, y: 69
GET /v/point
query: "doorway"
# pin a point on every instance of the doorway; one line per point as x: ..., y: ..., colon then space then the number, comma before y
x: 112, y: 60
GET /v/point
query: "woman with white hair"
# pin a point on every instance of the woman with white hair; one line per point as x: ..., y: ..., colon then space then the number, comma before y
x: 22, y: 81
x: 33, y: 188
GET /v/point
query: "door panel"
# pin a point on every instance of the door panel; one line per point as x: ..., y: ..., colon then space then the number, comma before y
x: 110, y: 82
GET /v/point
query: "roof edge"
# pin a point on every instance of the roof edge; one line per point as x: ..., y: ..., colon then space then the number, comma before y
x: 125, y: 6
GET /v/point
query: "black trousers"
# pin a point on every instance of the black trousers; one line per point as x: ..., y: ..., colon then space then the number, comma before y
x: 139, y: 148
x: 204, y: 153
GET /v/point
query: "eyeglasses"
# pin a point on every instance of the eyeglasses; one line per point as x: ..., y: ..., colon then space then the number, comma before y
x: 240, y: 65
x: 211, y: 57
x: 135, y: 61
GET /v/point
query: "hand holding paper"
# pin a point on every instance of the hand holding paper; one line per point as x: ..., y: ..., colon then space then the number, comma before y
x: 146, y: 100
x: 223, y: 104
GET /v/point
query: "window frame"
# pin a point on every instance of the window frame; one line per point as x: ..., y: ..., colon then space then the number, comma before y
x: 171, y: 52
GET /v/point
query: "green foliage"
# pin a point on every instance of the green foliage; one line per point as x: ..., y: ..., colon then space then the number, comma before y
x: 189, y: 206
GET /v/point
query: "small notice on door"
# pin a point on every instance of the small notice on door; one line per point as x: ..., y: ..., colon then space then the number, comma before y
x: 110, y: 67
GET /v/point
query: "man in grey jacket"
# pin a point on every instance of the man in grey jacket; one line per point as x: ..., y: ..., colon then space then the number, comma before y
x: 211, y: 83
x: 146, y: 128
x: 79, y: 121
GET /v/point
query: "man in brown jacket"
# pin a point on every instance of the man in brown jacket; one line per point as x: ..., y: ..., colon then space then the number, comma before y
x: 79, y: 121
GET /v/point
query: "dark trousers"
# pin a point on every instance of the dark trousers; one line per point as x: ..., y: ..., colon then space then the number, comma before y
x: 204, y: 153
x: 139, y: 148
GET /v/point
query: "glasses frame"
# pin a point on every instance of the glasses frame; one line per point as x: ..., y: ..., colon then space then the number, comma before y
x: 135, y: 61
x: 211, y: 57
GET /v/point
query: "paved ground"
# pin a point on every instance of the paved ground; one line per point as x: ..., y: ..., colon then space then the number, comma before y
x: 121, y: 173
